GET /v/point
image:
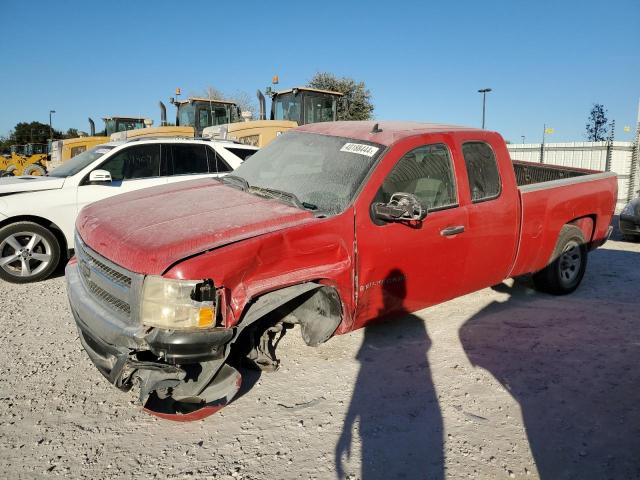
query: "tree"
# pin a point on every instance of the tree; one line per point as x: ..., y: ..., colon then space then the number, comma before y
x: 597, y: 124
x: 71, y: 133
x: 32, y: 132
x: 357, y: 98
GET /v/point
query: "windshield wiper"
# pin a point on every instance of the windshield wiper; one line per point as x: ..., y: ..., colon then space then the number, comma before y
x: 237, y: 181
x: 282, y: 195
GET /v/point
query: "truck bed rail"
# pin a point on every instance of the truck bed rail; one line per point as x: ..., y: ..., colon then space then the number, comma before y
x: 528, y: 173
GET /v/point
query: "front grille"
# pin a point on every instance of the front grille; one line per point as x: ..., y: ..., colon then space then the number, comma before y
x: 107, y: 283
x: 109, y: 300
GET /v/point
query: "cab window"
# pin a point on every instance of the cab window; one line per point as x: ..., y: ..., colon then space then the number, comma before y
x: 317, y: 109
x: 425, y: 172
x: 482, y: 171
x: 140, y: 161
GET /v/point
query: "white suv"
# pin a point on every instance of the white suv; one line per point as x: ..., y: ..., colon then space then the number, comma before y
x: 38, y: 214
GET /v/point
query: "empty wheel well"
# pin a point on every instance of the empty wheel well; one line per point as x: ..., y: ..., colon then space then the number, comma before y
x: 316, y: 308
x: 48, y: 224
x: 587, y: 224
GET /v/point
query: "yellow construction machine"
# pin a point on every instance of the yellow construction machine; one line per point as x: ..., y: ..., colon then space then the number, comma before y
x: 63, y: 150
x: 289, y: 109
x: 29, y: 159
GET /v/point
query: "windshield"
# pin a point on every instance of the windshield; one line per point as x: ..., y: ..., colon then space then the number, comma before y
x: 79, y: 162
x: 323, y: 172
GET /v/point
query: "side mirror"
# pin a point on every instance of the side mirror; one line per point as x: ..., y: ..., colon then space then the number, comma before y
x: 100, y: 176
x: 402, y: 207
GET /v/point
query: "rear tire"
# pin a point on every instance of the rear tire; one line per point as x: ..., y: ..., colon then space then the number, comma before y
x: 28, y: 252
x: 568, y: 264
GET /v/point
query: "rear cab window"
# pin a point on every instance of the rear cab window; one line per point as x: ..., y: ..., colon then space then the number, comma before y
x: 482, y: 171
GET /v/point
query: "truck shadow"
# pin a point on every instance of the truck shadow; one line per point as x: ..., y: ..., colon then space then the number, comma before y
x: 394, y: 407
x: 572, y: 364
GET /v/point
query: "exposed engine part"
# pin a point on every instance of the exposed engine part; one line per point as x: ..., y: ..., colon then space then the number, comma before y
x: 263, y: 353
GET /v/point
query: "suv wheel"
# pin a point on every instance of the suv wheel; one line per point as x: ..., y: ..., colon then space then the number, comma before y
x: 28, y: 252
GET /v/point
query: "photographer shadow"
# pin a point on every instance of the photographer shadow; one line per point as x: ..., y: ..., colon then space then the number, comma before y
x: 394, y: 407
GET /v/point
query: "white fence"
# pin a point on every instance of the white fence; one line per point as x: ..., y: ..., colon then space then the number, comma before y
x: 590, y: 155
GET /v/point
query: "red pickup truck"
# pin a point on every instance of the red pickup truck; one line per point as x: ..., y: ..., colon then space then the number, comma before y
x: 330, y: 227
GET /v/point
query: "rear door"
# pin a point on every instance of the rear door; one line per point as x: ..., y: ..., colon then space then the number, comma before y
x: 409, y: 266
x: 489, y: 192
x: 132, y: 168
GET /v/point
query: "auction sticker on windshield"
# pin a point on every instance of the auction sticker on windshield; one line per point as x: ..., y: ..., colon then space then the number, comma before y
x: 360, y: 149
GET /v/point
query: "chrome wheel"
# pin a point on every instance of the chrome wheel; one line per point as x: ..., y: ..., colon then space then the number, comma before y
x: 25, y: 254
x: 570, y: 262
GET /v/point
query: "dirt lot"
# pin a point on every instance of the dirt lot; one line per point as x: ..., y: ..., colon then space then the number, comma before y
x: 501, y: 383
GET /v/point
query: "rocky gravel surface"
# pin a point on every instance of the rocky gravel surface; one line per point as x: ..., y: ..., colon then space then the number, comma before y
x: 501, y: 383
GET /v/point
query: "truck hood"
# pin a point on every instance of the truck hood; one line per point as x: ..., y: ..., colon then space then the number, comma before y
x: 150, y: 230
x: 29, y: 184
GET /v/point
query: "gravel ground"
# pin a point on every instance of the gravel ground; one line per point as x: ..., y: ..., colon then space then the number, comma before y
x: 501, y: 383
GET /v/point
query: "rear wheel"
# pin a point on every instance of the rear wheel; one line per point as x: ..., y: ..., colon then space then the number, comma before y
x: 28, y: 252
x: 569, y: 262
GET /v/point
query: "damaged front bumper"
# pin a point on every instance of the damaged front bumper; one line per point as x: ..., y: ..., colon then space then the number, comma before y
x: 172, y: 368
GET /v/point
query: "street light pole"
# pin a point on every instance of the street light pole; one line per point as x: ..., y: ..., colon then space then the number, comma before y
x: 50, y: 127
x: 484, y: 92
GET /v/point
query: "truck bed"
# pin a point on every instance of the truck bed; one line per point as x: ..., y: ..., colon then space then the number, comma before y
x: 529, y: 173
x: 552, y: 196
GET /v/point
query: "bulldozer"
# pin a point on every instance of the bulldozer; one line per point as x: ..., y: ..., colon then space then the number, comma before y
x: 201, y: 113
x: 29, y: 159
x: 289, y: 109
x: 63, y: 150
x: 193, y: 115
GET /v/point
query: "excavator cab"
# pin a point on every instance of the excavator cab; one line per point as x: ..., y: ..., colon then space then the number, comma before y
x: 201, y: 113
x: 305, y: 105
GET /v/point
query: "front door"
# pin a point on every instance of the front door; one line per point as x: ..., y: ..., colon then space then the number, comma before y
x: 403, y: 267
x: 132, y: 168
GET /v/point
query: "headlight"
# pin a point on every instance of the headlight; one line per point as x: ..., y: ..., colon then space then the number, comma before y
x: 177, y: 304
x: 628, y: 210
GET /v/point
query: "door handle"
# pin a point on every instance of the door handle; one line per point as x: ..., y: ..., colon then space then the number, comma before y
x: 452, y: 231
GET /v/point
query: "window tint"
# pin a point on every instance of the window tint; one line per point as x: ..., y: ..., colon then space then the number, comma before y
x: 482, y: 171
x: 189, y: 159
x: 425, y: 172
x: 216, y: 163
x: 242, y: 153
x: 141, y: 161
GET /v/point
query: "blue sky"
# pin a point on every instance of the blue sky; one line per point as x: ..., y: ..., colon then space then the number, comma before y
x: 547, y: 61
